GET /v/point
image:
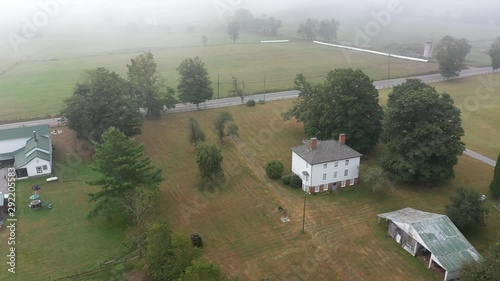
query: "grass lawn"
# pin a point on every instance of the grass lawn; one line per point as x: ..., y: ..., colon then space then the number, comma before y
x: 241, y: 226
x: 478, y: 98
x: 38, y: 88
x: 60, y: 241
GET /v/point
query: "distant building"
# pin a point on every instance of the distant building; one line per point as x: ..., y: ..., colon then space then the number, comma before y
x: 431, y: 235
x: 28, y: 150
x: 325, y: 165
x: 428, y: 49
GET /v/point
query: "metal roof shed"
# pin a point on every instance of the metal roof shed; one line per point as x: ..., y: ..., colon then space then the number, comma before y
x: 436, y: 233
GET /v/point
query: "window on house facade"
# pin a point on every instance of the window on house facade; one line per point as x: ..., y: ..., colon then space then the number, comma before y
x: 39, y: 169
x: 346, y: 172
x: 343, y: 183
x: 336, y: 163
x: 325, y: 166
x: 324, y: 177
x: 306, y: 178
x: 44, y: 167
x: 351, y: 182
x: 346, y: 162
x: 335, y: 174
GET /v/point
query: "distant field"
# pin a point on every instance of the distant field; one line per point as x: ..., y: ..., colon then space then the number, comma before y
x: 240, y: 222
x: 37, y: 89
x: 479, y: 99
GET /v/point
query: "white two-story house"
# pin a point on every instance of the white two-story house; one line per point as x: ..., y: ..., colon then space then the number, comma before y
x: 325, y: 165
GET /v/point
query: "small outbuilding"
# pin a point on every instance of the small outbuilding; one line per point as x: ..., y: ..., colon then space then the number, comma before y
x: 422, y: 232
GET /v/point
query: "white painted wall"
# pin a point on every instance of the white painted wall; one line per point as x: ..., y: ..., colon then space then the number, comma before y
x: 319, y: 170
x: 37, y: 149
x: 31, y: 167
x: 298, y: 166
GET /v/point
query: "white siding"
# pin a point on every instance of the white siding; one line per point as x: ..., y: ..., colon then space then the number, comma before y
x: 37, y: 162
x: 318, y: 171
x: 299, y: 165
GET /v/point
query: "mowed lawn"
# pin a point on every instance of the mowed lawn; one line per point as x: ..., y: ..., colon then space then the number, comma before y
x: 241, y: 226
x: 478, y: 98
x: 60, y: 241
x: 38, y: 88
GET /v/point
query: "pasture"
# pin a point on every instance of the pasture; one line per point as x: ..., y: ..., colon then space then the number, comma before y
x: 38, y: 88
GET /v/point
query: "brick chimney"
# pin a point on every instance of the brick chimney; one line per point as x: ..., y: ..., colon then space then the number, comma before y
x: 342, y: 138
x: 314, y: 143
x: 34, y: 135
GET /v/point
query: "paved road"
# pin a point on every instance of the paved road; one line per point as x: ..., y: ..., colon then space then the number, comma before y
x: 233, y: 101
x: 480, y: 157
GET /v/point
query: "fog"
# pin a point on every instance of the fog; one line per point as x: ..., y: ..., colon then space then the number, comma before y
x: 83, y: 18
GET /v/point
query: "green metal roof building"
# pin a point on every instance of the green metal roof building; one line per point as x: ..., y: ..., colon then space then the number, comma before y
x: 27, y: 149
x: 417, y: 230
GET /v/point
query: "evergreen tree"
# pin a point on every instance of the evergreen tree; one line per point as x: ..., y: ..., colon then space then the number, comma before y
x: 495, y: 183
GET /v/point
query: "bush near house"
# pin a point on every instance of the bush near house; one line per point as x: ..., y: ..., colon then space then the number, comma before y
x: 274, y: 169
x: 292, y: 180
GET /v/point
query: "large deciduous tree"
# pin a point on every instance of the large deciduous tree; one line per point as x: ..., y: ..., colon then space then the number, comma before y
x: 328, y: 29
x: 487, y: 269
x: 494, y: 53
x: 167, y: 254
x: 123, y: 169
x: 308, y: 29
x: 209, y: 159
x: 194, y: 82
x: 466, y: 209
x: 422, y: 133
x: 233, y: 30
x: 346, y: 102
x: 495, y: 183
x: 196, y: 134
x: 451, y: 53
x: 201, y: 270
x: 102, y: 100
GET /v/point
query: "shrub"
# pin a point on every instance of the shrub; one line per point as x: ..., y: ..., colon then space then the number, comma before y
x: 251, y: 103
x: 292, y: 181
x: 274, y: 169
x: 262, y: 101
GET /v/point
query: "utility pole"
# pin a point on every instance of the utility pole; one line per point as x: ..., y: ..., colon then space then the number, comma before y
x: 218, y: 86
x: 388, y: 66
x: 264, y: 88
x: 304, y: 214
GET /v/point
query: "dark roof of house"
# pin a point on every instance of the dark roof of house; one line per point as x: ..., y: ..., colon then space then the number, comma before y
x: 326, y: 151
x: 24, y: 132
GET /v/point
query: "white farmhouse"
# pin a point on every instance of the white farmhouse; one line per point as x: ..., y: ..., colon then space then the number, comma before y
x: 28, y: 150
x: 325, y: 165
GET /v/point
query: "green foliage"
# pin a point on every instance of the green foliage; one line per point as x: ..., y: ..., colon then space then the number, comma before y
x: 494, y: 53
x: 328, y: 29
x: 346, y: 102
x: 274, y: 169
x: 196, y: 134
x: 308, y: 29
x: 487, y: 269
x: 237, y: 89
x: 292, y: 181
x: 147, y: 84
x: 495, y: 183
x: 203, y: 271
x: 194, y: 82
x: 167, y: 254
x: 466, y: 209
x: 204, y: 39
x: 375, y: 177
x: 209, y: 159
x: 233, y: 29
x: 264, y: 25
x: 422, y: 133
x: 224, y: 126
x: 251, y: 103
x: 451, y: 53
x: 123, y: 169
x: 261, y: 102
x: 103, y: 100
